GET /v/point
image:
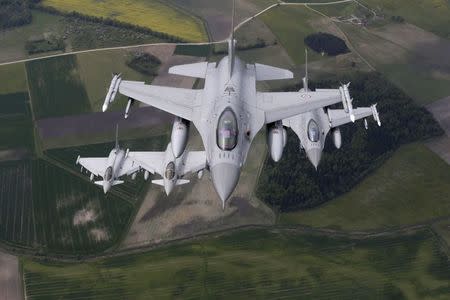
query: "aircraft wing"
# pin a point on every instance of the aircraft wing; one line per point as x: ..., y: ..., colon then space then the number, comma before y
x: 339, y: 117
x: 194, y: 161
x: 129, y: 167
x: 95, y: 165
x: 150, y: 161
x: 283, y: 105
x: 177, y: 101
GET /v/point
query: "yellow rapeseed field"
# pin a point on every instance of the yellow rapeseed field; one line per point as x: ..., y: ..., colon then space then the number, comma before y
x: 147, y: 13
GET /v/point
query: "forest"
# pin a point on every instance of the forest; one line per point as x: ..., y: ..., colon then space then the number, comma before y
x: 144, y: 63
x: 293, y: 183
x: 326, y: 43
x: 15, y: 12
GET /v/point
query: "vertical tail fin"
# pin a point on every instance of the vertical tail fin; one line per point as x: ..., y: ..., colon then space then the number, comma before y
x: 305, y: 79
x: 231, y: 41
x: 117, y: 136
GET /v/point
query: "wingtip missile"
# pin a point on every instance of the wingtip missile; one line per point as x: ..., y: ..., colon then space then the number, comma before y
x: 112, y: 91
x: 127, y: 109
x: 376, y: 115
x: 78, y: 160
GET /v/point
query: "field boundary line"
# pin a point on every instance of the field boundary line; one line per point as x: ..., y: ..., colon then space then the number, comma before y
x: 332, y: 233
x: 109, y: 49
x: 345, y: 36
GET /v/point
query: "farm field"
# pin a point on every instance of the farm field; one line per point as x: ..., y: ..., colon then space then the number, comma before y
x: 433, y: 15
x: 256, y: 264
x: 13, y: 79
x: 16, y: 202
x: 50, y: 210
x: 153, y: 14
x: 95, y: 71
x: 287, y: 22
x: 443, y: 229
x: 217, y: 13
x: 16, y: 127
x: 410, y: 187
x: 73, y: 215
x: 13, y: 40
x: 408, y: 56
x: 56, y: 88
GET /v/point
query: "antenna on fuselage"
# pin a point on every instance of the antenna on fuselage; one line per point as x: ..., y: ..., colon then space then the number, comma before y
x: 231, y: 41
x: 305, y: 79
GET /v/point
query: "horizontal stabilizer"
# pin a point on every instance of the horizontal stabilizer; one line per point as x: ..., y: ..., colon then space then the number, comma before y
x: 196, y: 70
x: 264, y: 72
x: 182, y: 181
x: 158, y: 182
x: 116, y: 182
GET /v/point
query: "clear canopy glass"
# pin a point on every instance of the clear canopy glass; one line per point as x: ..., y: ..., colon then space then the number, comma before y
x: 227, y: 130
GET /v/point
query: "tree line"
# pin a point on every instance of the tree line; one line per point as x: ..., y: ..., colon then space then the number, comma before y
x: 111, y: 22
x: 293, y: 183
x: 15, y: 12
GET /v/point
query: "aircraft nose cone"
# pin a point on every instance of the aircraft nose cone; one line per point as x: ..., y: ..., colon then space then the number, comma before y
x: 168, y: 187
x: 314, y: 156
x: 225, y: 178
x: 106, y: 187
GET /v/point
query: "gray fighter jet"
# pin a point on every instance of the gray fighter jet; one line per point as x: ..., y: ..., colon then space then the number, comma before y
x: 313, y: 126
x: 228, y: 112
x: 170, y: 167
x: 110, y: 168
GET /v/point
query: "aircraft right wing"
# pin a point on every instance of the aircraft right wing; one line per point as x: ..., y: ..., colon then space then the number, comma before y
x: 193, y: 161
x: 95, y: 165
x: 177, y: 101
x: 339, y: 117
x: 283, y: 105
x: 150, y: 161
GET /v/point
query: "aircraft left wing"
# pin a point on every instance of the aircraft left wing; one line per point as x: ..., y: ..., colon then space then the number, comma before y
x: 193, y: 161
x: 340, y: 117
x: 95, y: 165
x: 150, y: 161
x: 177, y: 101
x: 129, y: 167
x: 283, y: 105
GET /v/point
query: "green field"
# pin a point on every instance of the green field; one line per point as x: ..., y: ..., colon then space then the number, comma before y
x: 153, y: 14
x: 56, y: 88
x: 291, y: 25
x: 256, y: 264
x: 443, y: 229
x: 13, y: 79
x: 16, y: 202
x: 431, y: 15
x: 13, y: 40
x: 16, y: 127
x: 418, y: 77
x: 50, y: 210
x: 411, y: 187
x: 95, y: 70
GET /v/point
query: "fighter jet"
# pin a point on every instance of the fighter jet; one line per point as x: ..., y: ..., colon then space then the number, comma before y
x: 110, y: 168
x: 313, y: 126
x: 228, y: 112
x: 170, y: 167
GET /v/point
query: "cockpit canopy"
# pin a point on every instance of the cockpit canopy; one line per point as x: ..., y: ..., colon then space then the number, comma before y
x: 170, y: 171
x: 313, y: 131
x: 108, y: 174
x: 227, y: 130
